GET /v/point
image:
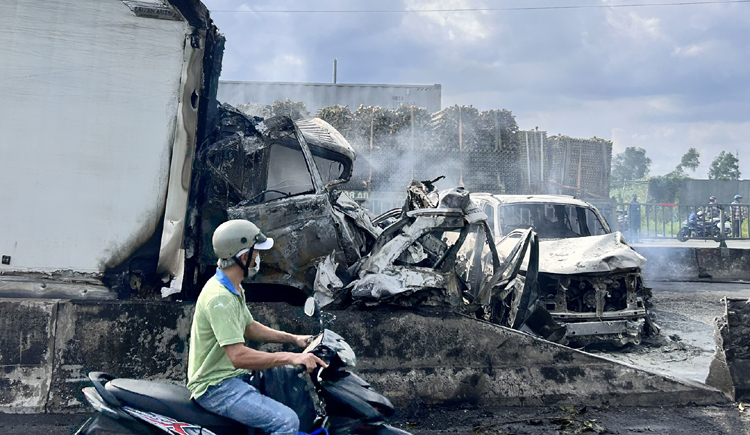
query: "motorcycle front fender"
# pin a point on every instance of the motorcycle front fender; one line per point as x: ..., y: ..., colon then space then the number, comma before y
x: 379, y: 429
x: 343, y: 425
x: 390, y: 430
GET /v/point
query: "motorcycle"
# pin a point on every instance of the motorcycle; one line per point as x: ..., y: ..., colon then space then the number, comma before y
x: 695, y: 226
x: 692, y: 227
x: 331, y: 401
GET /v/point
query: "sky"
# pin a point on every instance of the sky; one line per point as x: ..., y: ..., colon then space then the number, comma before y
x: 663, y: 78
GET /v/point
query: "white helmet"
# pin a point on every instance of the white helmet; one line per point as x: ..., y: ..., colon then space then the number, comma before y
x: 235, y: 237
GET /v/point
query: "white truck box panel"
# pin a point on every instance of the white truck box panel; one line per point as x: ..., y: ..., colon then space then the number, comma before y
x: 90, y: 99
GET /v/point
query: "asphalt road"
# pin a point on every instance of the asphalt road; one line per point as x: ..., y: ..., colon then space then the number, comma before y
x: 691, y: 243
x: 684, y: 311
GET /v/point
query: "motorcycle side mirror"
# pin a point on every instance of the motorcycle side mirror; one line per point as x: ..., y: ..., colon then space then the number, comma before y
x: 310, y: 307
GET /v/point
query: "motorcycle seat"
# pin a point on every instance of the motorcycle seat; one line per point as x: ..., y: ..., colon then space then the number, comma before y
x: 169, y: 400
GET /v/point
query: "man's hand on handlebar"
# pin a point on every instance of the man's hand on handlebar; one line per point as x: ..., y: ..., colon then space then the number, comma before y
x: 310, y: 361
x: 302, y: 340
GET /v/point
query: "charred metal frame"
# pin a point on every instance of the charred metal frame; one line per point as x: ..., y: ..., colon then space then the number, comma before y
x: 605, y: 287
x: 306, y: 226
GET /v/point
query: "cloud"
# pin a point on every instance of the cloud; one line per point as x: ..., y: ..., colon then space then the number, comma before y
x: 633, y: 26
x: 691, y: 50
x: 462, y: 27
x: 661, y: 78
x: 291, y: 67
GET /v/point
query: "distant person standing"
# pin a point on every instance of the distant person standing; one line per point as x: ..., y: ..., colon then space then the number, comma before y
x: 739, y: 214
x: 634, y: 219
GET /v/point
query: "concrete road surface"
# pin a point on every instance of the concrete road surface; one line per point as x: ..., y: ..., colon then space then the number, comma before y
x: 685, y: 311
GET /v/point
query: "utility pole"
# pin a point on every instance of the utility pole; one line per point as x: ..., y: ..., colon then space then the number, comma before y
x: 335, y: 65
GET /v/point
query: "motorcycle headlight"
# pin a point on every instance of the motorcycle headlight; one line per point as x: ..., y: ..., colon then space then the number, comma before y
x: 347, y: 355
x: 336, y: 343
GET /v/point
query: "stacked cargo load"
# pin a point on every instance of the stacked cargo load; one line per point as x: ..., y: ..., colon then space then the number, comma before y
x: 482, y: 151
x: 475, y: 149
x: 534, y: 161
x: 582, y: 166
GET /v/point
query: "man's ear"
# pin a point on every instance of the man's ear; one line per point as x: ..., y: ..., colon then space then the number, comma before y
x: 244, y: 257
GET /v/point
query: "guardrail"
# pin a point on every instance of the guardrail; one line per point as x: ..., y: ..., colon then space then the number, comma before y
x: 657, y: 220
x: 677, y: 221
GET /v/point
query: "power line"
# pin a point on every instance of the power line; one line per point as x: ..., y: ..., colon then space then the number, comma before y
x: 523, y: 8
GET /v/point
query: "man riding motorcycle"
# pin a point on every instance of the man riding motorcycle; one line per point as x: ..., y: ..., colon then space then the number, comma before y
x: 219, y: 361
x: 713, y: 210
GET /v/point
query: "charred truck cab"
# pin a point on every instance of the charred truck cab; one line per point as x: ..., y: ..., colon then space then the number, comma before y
x: 277, y: 173
x: 589, y: 278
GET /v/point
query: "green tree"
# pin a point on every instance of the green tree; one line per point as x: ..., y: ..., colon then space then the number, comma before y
x: 666, y: 188
x: 632, y: 164
x: 724, y: 167
x: 690, y: 160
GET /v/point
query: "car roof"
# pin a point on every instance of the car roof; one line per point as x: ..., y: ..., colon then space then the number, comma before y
x: 530, y: 199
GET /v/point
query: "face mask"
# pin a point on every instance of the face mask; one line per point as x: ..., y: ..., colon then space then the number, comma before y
x: 251, y: 272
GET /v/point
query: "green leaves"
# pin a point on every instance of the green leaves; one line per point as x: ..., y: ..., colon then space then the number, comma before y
x: 630, y: 165
x: 724, y: 167
x: 690, y: 160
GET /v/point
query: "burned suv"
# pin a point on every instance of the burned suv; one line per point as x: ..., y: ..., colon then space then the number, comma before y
x: 589, y: 278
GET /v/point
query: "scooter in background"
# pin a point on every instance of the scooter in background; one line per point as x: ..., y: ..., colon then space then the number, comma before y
x: 693, y: 227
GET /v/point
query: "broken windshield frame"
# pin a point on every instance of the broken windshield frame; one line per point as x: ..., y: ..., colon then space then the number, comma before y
x: 279, y: 168
x: 332, y: 167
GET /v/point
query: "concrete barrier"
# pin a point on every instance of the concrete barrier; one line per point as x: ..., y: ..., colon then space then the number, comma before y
x: 730, y: 369
x: 27, y: 330
x: 48, y: 347
x: 684, y: 264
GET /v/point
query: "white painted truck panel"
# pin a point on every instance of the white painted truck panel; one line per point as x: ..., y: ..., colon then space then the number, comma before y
x: 90, y: 99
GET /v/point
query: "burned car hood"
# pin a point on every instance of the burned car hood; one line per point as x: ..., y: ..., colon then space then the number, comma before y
x: 593, y: 254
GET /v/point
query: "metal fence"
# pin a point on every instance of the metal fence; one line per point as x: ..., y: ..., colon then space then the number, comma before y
x: 677, y: 221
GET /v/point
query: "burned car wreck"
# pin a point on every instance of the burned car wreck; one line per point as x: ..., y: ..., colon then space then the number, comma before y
x: 589, y: 278
x: 438, y: 252
x: 278, y: 173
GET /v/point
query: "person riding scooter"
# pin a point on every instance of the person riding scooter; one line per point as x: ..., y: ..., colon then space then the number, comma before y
x: 219, y: 361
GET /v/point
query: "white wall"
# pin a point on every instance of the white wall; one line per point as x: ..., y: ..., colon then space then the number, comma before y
x: 319, y: 95
x: 89, y: 99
